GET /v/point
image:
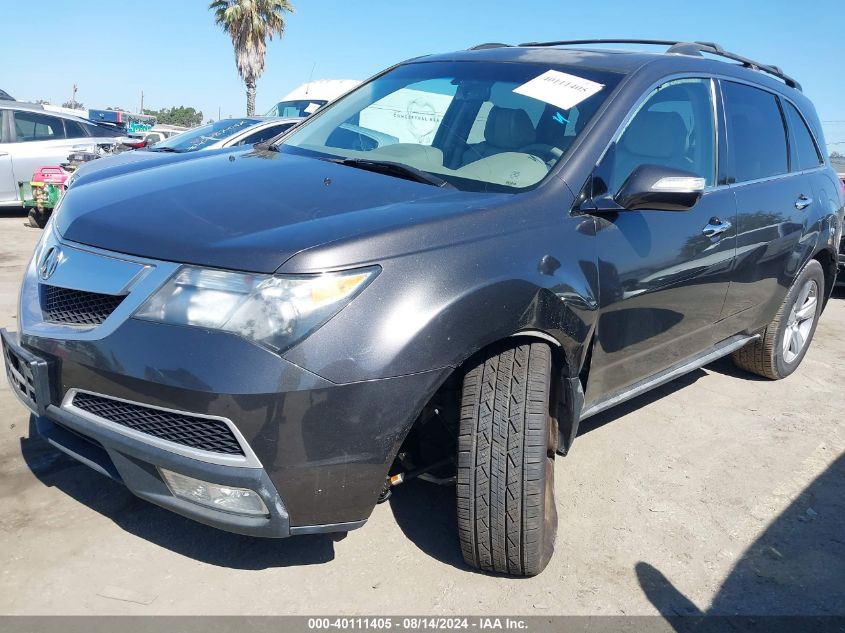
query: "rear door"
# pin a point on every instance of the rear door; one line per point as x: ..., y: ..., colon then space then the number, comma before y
x: 663, y: 275
x: 773, y: 197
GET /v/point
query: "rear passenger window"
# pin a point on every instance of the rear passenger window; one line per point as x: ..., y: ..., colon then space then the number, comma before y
x: 673, y: 128
x: 805, y: 154
x: 756, y: 134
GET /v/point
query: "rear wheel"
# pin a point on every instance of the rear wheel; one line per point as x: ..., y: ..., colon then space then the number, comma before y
x: 506, y: 446
x: 783, y: 344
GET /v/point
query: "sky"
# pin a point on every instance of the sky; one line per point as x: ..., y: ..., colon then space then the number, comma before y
x: 172, y: 50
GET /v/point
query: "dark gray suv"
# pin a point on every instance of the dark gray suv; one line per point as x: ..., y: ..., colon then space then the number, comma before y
x: 270, y: 339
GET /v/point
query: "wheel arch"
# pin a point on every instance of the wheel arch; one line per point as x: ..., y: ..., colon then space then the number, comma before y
x: 828, y: 259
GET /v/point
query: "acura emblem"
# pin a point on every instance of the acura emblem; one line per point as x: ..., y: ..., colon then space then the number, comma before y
x: 49, y: 262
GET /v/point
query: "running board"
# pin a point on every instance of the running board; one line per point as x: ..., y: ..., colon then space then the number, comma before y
x: 676, y: 371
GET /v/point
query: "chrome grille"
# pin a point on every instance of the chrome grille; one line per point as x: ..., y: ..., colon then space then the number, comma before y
x: 77, y: 307
x: 206, y: 434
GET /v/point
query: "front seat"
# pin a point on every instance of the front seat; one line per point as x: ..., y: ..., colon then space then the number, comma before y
x: 507, y: 130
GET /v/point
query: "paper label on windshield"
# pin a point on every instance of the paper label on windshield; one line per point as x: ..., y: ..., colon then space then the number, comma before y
x: 560, y: 89
x: 312, y: 108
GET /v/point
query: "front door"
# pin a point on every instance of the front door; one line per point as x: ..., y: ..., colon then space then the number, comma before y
x: 663, y: 275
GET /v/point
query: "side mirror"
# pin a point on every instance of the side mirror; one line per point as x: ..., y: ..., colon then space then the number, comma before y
x: 660, y: 188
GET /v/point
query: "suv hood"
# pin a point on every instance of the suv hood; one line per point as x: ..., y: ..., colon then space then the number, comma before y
x: 248, y: 210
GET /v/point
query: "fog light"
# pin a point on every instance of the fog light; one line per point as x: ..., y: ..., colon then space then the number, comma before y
x: 220, y: 497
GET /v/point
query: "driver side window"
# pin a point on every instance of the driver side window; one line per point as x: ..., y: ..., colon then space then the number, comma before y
x: 674, y: 128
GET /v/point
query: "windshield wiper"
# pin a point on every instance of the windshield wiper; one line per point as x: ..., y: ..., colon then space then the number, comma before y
x: 400, y: 170
x: 163, y: 149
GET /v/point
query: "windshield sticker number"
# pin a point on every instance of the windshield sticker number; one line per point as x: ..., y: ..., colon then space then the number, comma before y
x: 560, y: 89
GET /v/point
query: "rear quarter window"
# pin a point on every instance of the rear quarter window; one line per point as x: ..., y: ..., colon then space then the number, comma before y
x: 805, y: 153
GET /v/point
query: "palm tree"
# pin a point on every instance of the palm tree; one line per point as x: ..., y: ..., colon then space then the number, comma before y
x: 250, y: 23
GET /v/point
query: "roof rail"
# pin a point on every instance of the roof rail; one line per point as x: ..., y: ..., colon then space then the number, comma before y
x: 486, y: 45
x: 686, y: 48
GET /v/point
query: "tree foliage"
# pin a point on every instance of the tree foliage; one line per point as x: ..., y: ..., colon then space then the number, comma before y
x: 250, y: 23
x: 75, y: 105
x: 177, y: 115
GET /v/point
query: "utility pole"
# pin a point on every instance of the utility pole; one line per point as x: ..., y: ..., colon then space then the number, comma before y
x: 142, y: 103
x: 218, y: 113
x: 73, y: 97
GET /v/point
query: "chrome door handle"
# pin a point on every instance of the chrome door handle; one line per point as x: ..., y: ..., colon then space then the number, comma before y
x: 803, y: 202
x: 716, y: 227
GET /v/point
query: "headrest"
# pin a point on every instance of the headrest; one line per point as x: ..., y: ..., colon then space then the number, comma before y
x: 509, y: 128
x: 656, y: 135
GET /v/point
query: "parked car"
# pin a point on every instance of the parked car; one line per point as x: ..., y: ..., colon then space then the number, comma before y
x: 230, y: 133
x: 155, y: 134
x: 306, y: 99
x: 227, y: 133
x: 270, y: 340
x: 31, y: 138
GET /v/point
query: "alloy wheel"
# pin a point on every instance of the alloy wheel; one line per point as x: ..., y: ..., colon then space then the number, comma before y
x: 800, y: 321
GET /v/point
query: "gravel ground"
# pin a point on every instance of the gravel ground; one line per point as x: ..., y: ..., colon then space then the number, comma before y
x: 718, y: 493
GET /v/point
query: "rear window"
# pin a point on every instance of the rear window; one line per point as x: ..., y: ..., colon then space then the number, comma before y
x: 264, y: 134
x: 756, y: 134
x: 805, y: 154
x: 205, y: 135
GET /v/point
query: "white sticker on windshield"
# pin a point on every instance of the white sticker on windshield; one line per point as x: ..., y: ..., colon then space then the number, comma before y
x: 312, y: 108
x: 560, y: 89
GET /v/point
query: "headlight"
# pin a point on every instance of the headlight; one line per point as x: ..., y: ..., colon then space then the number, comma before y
x: 273, y: 310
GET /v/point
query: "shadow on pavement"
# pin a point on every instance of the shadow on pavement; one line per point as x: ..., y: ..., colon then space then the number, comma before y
x: 796, y: 567
x: 161, y: 527
x: 425, y: 513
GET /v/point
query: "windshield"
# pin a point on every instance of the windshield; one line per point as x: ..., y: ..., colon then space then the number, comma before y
x: 296, y: 108
x: 480, y: 126
x: 205, y: 135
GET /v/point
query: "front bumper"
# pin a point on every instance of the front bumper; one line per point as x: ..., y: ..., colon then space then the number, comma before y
x: 317, y: 451
x: 322, y: 450
x: 135, y: 462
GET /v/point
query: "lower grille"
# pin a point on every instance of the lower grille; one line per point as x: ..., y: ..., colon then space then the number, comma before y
x: 77, y: 307
x: 205, y: 434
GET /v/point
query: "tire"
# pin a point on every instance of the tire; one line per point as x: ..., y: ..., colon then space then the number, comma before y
x: 773, y: 355
x: 506, y: 446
